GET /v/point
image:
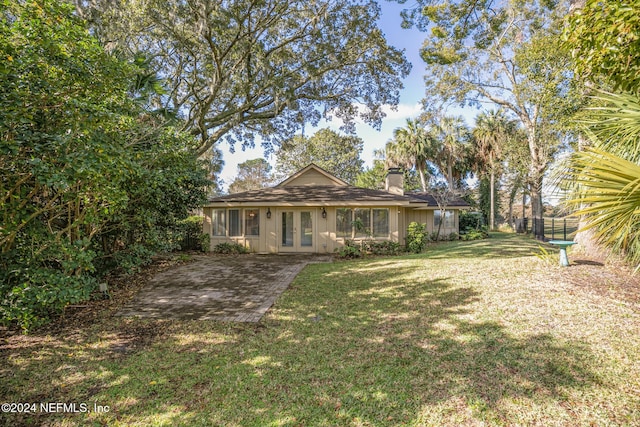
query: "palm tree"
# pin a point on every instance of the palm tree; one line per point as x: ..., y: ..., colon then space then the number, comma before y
x: 411, y: 147
x: 606, y: 176
x: 452, y: 135
x: 492, y: 131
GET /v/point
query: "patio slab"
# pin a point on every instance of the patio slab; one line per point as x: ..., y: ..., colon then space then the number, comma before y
x: 226, y: 288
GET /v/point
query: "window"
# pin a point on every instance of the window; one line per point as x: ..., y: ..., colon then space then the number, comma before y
x: 448, y: 219
x: 366, y: 222
x: 252, y: 222
x: 380, y: 223
x: 218, y: 219
x: 343, y: 223
x: 235, y: 226
x: 362, y: 222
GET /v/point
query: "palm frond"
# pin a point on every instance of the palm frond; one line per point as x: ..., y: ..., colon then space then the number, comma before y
x: 608, y: 196
x: 616, y: 123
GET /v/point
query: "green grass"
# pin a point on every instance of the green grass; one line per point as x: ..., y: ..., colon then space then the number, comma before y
x: 468, y: 333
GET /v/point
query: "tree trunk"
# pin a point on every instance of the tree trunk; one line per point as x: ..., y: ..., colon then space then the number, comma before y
x: 492, y: 209
x: 535, y: 188
x: 423, y: 178
x: 512, y: 199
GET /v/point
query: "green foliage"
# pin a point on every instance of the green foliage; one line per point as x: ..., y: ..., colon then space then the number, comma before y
x: 249, y: 68
x: 475, y: 234
x: 470, y: 220
x: 607, y: 194
x: 205, y: 242
x: 190, y: 235
x: 613, y: 123
x: 350, y: 250
x: 547, y: 257
x: 252, y: 175
x: 385, y: 247
x: 337, y: 154
x: 228, y: 248
x: 417, y: 237
x: 91, y: 181
x: 358, y: 249
x: 605, y: 40
x: 508, y: 54
x: 411, y: 148
x: 375, y: 177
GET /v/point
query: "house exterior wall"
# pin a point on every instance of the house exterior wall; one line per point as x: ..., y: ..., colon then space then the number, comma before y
x: 311, y: 177
x: 426, y: 216
x: 325, y: 238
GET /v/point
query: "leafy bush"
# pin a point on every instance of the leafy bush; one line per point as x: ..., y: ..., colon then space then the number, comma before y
x: 475, y: 234
x: 386, y: 247
x: 190, y: 235
x: 230, y: 248
x: 95, y: 184
x: 383, y: 247
x: 205, y: 242
x: 350, y: 250
x: 453, y: 236
x: 470, y: 221
x: 417, y: 237
x: 41, y: 284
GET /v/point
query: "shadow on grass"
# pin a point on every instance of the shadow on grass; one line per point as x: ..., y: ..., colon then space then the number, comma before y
x: 374, y: 343
x: 499, y: 245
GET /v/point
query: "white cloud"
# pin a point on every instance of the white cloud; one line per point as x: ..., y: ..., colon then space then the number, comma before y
x: 403, y: 111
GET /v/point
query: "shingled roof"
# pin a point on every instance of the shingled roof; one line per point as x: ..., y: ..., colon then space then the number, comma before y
x: 331, y: 195
x: 324, y: 194
x: 313, y: 185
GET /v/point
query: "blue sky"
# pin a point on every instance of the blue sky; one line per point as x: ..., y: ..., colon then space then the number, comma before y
x: 410, y: 40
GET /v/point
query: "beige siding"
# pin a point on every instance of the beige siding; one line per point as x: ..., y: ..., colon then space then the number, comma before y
x: 312, y: 177
x: 425, y: 216
x: 325, y: 238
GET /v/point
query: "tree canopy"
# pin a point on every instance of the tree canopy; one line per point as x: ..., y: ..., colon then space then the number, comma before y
x: 252, y: 175
x: 247, y: 68
x: 336, y: 153
x: 504, y: 53
x: 604, y: 37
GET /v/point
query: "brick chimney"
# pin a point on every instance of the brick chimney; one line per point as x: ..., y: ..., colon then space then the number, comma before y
x: 394, y: 183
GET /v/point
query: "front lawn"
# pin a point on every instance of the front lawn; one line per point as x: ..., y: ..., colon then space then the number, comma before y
x: 469, y: 333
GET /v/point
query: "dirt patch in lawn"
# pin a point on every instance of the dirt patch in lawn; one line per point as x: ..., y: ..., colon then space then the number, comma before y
x: 603, y: 277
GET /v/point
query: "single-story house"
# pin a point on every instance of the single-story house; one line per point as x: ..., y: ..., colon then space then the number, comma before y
x: 313, y: 211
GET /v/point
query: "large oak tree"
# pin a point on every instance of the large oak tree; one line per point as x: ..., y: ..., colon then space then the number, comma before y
x: 245, y: 68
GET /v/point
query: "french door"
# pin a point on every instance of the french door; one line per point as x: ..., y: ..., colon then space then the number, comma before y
x: 296, y: 231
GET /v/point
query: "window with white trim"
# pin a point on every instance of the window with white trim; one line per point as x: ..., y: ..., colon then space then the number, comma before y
x: 252, y: 222
x: 219, y: 223
x: 449, y: 219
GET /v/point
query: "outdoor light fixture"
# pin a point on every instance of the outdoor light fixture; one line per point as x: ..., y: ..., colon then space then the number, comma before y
x: 268, y: 213
x: 324, y: 213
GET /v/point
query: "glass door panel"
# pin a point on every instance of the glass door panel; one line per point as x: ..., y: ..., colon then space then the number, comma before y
x: 287, y: 228
x: 306, y: 229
